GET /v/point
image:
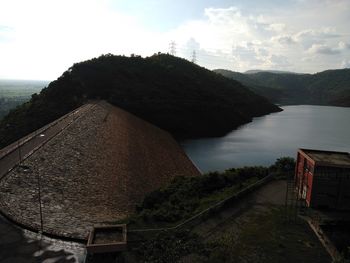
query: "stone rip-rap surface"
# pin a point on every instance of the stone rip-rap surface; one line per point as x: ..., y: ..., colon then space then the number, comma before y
x: 93, y: 172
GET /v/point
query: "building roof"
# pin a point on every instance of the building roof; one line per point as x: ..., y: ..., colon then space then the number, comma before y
x: 328, y: 158
x: 94, y: 171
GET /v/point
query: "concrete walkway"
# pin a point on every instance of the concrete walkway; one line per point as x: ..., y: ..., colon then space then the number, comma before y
x: 22, y: 246
x: 272, y: 193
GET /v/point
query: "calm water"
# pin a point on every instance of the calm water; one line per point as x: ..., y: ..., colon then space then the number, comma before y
x: 265, y: 139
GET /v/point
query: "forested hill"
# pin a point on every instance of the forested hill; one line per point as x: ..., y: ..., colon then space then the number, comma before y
x: 331, y: 87
x: 172, y: 93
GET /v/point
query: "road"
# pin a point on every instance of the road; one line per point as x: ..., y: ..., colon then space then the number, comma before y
x: 13, y: 154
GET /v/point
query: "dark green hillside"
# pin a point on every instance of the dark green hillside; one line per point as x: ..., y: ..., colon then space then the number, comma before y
x: 172, y: 93
x: 331, y: 87
x: 274, y: 94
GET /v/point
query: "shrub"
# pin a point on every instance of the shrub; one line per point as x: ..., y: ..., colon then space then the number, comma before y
x: 185, y: 195
x: 283, y: 166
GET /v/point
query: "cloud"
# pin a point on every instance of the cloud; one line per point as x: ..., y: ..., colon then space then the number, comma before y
x: 309, y: 37
x: 4, y: 28
x: 247, y: 55
x: 343, y: 45
x: 267, y: 41
x: 229, y: 34
x: 294, y: 38
x: 327, y: 50
x: 277, y: 27
x: 325, y: 32
x: 193, y: 44
x: 280, y: 61
x: 345, y: 63
x: 323, y: 49
x: 284, y: 40
x: 6, y: 33
x: 49, y: 36
x: 222, y: 15
x: 43, y: 38
x: 262, y: 52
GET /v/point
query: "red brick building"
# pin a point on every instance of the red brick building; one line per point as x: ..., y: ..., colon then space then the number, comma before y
x: 322, y: 178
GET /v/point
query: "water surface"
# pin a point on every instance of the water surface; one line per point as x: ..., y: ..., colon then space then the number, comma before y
x: 269, y: 137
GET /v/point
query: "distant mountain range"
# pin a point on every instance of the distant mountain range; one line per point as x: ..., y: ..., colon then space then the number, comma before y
x: 16, y: 92
x: 253, y: 71
x: 170, y: 92
x: 330, y: 87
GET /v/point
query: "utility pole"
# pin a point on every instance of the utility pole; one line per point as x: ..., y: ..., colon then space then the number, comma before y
x: 172, y: 48
x: 194, y: 57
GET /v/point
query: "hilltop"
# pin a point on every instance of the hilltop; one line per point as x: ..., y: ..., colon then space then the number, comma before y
x: 172, y: 93
x: 330, y: 87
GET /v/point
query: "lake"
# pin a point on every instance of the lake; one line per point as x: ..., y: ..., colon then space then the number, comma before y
x: 272, y: 136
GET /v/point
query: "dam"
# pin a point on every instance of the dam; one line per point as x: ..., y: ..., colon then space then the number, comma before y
x: 93, y: 170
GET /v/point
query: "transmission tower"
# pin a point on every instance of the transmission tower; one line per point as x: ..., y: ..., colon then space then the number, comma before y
x: 194, y: 57
x: 172, y: 48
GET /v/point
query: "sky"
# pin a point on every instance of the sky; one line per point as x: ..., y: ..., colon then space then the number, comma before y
x: 40, y: 39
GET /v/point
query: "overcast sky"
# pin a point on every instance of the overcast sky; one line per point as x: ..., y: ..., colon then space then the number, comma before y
x: 40, y: 39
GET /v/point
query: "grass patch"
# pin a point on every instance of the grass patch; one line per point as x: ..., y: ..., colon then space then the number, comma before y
x: 266, y: 237
x: 171, y: 247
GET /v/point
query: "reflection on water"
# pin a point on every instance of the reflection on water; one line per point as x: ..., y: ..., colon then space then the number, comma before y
x: 265, y: 139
